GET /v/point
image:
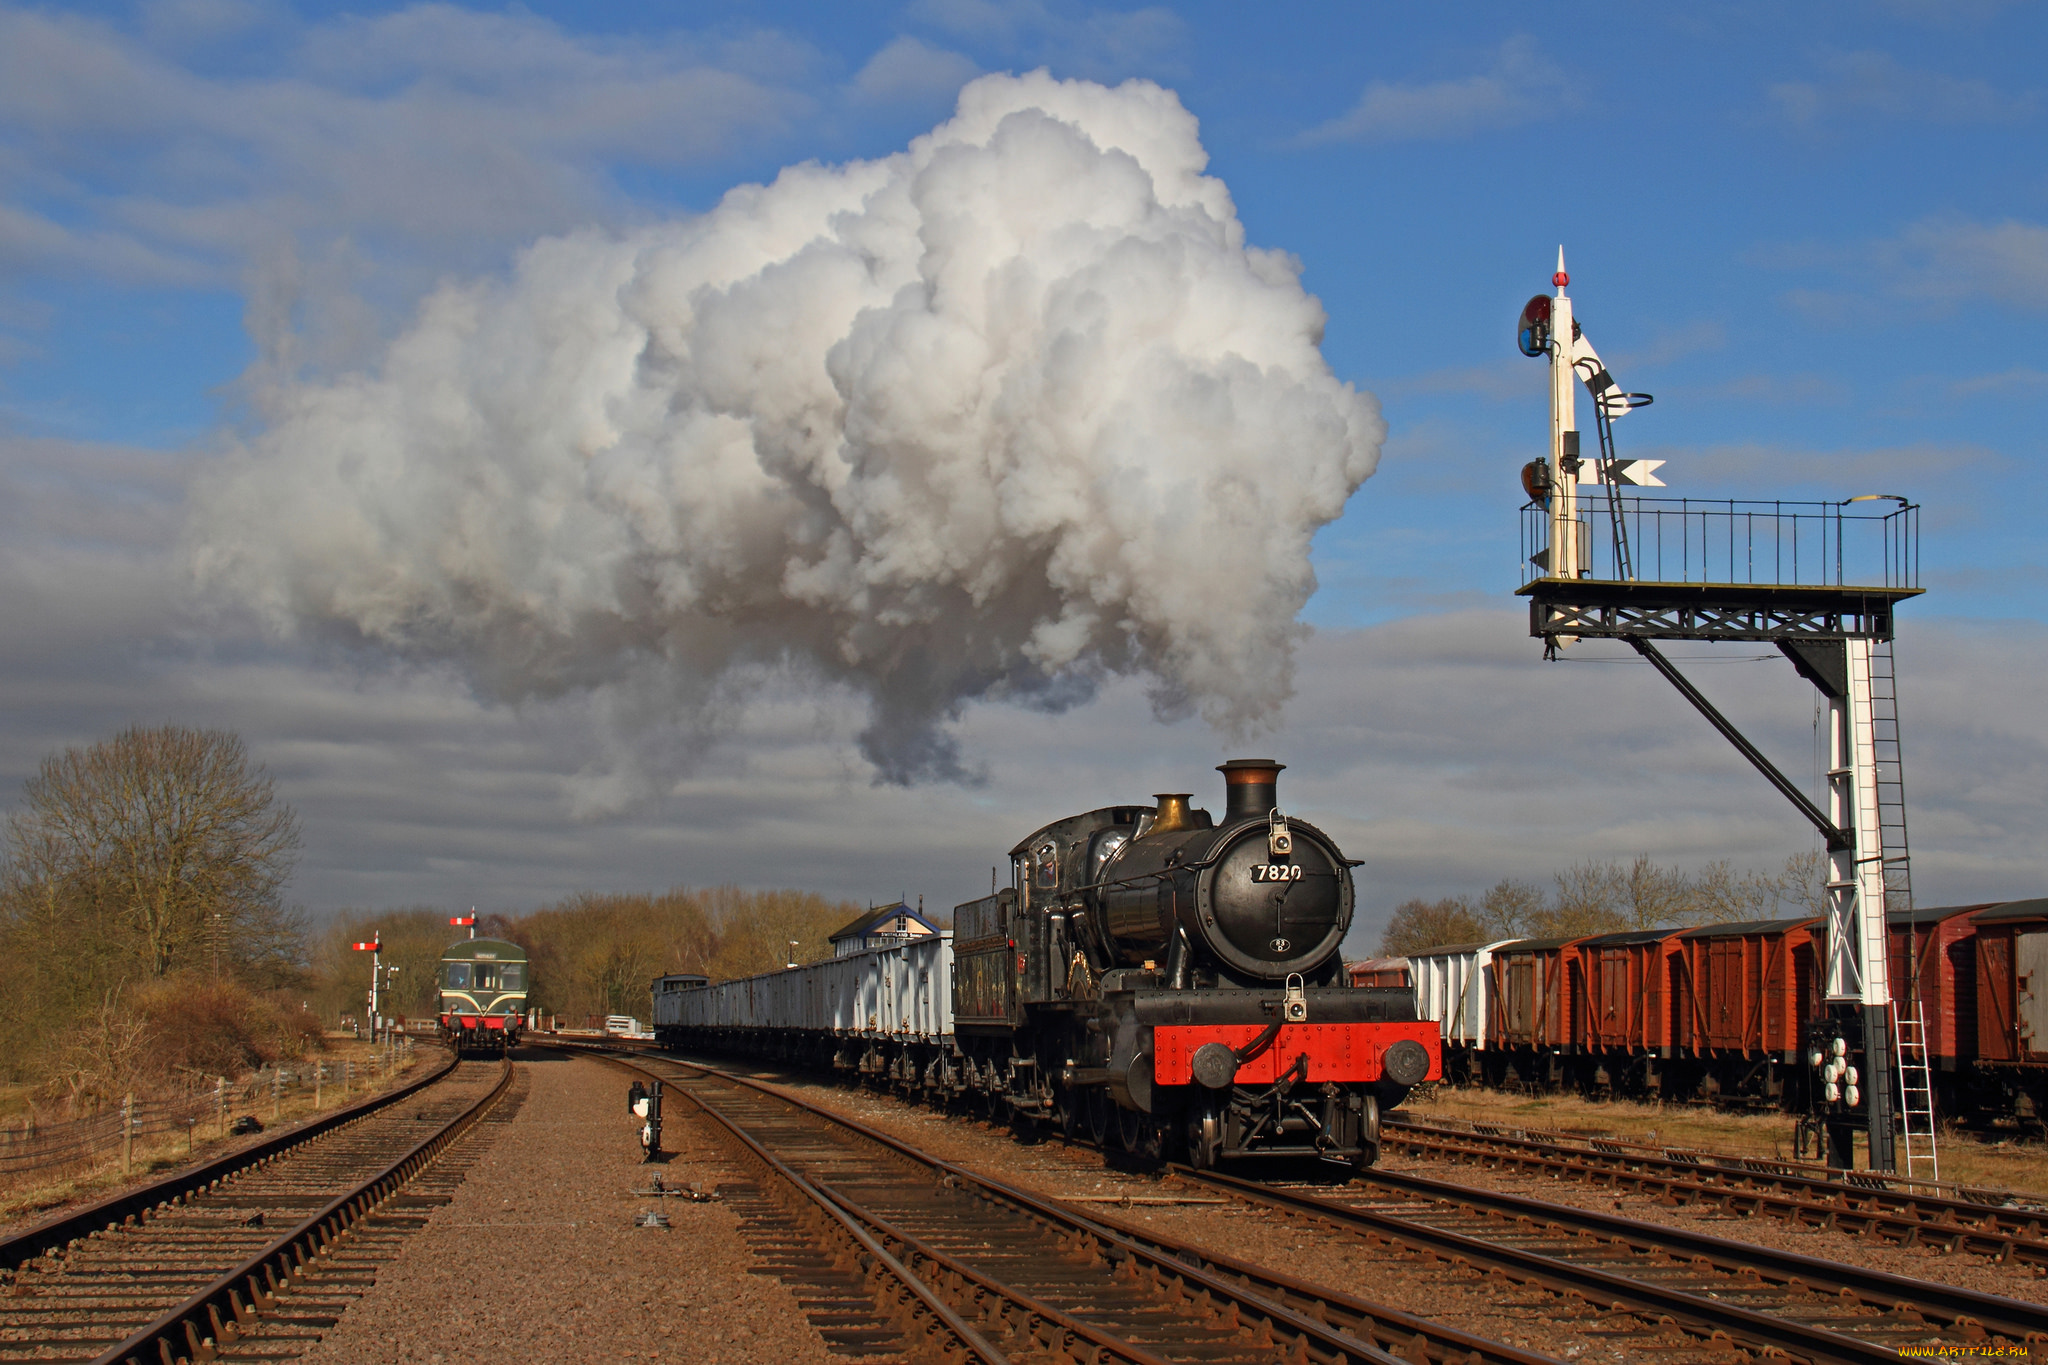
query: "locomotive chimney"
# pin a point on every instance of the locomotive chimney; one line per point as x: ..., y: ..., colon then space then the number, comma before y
x: 1172, y: 813
x: 1249, y: 785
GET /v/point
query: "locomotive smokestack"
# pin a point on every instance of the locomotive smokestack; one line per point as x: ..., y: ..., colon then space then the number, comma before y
x: 1249, y: 787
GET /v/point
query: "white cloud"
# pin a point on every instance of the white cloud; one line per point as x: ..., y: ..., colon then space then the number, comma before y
x: 1941, y: 261
x: 1411, y: 742
x: 997, y: 416
x: 1950, y: 259
x: 1104, y: 44
x: 433, y: 129
x: 1738, y: 468
x: 908, y: 69
x: 1785, y: 389
x: 2020, y: 379
x: 1857, y: 85
x: 1522, y: 87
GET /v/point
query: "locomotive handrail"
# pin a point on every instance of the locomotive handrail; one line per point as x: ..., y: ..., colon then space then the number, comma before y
x: 118, y: 1209
x: 217, y: 1313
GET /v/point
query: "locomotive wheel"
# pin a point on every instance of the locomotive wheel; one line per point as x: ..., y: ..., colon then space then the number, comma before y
x: 1065, y: 1104
x: 1140, y: 1134
x: 1204, y: 1137
x: 1100, y: 1120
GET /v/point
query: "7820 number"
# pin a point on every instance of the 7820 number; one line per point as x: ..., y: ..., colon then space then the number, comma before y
x: 1276, y: 872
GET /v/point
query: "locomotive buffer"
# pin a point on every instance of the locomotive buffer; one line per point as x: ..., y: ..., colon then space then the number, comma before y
x: 1820, y: 581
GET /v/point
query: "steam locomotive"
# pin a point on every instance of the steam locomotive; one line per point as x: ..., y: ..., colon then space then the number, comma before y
x: 1167, y: 981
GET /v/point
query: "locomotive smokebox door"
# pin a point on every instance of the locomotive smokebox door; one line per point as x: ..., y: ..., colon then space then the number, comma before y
x: 645, y: 1102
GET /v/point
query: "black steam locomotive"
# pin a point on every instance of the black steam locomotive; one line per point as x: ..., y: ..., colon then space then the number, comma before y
x: 1164, y: 978
x: 1166, y: 981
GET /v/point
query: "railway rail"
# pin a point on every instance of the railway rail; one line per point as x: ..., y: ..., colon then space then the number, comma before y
x: 1993, y: 1223
x: 192, y: 1266
x: 957, y: 1265
x: 1722, y: 1294
x: 1718, y: 1291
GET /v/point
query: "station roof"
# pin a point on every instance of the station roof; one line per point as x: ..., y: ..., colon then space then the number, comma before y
x: 871, y: 922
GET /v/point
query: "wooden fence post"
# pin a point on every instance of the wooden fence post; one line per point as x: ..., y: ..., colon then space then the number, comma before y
x: 127, y: 1132
x: 220, y: 1101
x: 319, y: 1075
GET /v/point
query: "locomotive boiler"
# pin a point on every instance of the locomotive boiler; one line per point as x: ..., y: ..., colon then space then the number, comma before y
x: 1168, y: 980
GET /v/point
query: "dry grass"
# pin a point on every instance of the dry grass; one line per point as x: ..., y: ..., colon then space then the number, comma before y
x: 35, y: 1195
x: 1999, y: 1161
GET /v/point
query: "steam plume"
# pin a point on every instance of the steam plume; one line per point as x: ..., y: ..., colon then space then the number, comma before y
x: 993, y: 417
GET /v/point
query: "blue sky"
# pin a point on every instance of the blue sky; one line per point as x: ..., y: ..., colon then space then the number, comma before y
x: 1819, y: 235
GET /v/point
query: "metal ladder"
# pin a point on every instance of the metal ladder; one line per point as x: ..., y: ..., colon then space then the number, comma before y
x: 1891, y: 790
x: 1916, y: 1091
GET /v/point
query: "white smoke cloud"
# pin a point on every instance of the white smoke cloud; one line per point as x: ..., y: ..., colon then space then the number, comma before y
x: 994, y: 417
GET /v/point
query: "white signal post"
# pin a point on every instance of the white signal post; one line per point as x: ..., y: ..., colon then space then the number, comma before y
x: 375, y: 948
x: 1566, y: 554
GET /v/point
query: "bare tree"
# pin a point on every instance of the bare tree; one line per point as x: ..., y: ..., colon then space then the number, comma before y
x: 166, y: 839
x: 1420, y: 924
x: 1655, y: 895
x: 1591, y: 899
x: 1510, y: 909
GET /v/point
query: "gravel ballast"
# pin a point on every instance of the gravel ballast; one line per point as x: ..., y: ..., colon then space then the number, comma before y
x: 536, y: 1258
x: 1446, y: 1293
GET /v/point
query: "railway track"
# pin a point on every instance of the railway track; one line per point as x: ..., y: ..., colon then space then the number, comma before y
x: 1992, y: 1223
x: 271, y: 1242
x: 899, y: 1253
x: 1716, y: 1291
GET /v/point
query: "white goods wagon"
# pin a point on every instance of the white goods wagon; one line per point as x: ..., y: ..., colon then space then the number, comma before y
x: 886, y: 1010
x: 1454, y: 987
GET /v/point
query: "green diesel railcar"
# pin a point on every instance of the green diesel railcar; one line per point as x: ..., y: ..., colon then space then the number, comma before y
x: 483, y: 993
